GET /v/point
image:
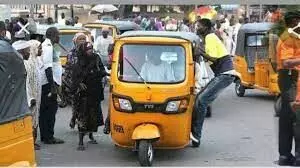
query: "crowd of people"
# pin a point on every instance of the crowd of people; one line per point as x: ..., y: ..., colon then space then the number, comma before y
x: 44, y: 79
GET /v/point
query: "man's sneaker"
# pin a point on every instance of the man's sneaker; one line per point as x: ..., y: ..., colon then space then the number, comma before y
x: 195, y: 141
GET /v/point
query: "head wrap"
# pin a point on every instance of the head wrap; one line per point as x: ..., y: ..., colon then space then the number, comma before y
x: 20, y: 45
x: 78, y: 35
x: 105, y: 29
x: 34, y: 48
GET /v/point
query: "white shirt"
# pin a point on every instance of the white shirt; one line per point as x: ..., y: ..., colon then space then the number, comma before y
x: 235, y: 35
x: 157, y: 73
x: 78, y: 25
x: 8, y: 35
x: 62, y: 21
x: 184, y: 28
x: 50, y: 58
x: 101, y: 44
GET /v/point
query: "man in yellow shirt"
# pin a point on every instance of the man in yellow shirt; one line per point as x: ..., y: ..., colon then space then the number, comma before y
x: 222, y: 66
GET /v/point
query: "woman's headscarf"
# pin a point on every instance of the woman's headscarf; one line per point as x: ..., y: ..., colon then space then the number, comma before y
x: 34, y: 48
x: 77, y: 35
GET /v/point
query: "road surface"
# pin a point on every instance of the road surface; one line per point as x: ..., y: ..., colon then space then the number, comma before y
x: 241, y: 132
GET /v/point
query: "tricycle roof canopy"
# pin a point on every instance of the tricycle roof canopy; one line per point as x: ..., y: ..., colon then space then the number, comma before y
x: 256, y: 27
x: 41, y: 29
x: 179, y: 35
x: 13, y: 101
x: 121, y: 25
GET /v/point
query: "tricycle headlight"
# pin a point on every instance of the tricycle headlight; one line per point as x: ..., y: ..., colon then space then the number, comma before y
x: 125, y: 104
x: 122, y: 104
x: 173, y: 106
x: 177, y: 106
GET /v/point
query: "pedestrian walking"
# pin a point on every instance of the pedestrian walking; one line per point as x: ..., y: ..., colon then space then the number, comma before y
x: 72, y: 59
x: 86, y: 78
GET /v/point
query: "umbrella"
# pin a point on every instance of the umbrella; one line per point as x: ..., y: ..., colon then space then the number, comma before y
x: 104, y: 8
x: 204, y: 12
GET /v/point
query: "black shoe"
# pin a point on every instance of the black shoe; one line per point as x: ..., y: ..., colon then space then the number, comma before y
x: 54, y: 141
x: 286, y: 161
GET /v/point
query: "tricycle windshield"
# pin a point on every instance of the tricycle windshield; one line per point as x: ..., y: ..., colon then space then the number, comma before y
x: 164, y: 64
x: 256, y: 40
x: 66, y: 40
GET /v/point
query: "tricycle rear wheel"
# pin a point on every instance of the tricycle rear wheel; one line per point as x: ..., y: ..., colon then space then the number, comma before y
x: 145, y: 153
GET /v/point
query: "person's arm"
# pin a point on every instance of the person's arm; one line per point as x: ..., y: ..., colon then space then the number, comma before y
x: 291, y: 63
x: 96, y: 44
x: 143, y: 72
x: 169, y: 72
x: 29, y: 86
x: 48, y: 63
x: 287, y: 50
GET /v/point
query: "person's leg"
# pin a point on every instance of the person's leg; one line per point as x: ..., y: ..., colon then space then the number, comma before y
x: 106, y: 129
x: 286, y: 118
x: 43, y: 118
x: 36, y: 146
x: 206, y: 97
x: 92, y: 139
x: 73, y: 119
x: 80, y: 144
x: 285, y: 131
x: 296, y: 125
x: 52, y: 106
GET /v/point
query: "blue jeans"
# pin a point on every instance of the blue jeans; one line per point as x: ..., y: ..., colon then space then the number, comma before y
x: 205, y: 98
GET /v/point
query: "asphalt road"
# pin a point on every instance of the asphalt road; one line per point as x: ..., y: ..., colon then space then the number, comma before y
x: 241, y: 132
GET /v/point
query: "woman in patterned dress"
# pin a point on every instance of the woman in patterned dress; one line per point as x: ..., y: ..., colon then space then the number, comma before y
x: 67, y: 78
x: 86, y: 83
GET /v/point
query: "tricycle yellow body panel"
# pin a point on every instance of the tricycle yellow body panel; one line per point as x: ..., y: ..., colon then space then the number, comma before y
x: 16, y: 143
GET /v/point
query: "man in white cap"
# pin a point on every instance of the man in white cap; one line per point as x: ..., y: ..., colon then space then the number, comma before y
x: 23, y: 47
x: 101, y: 44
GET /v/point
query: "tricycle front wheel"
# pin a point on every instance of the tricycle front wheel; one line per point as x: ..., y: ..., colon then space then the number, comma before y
x: 239, y: 89
x: 145, y: 153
